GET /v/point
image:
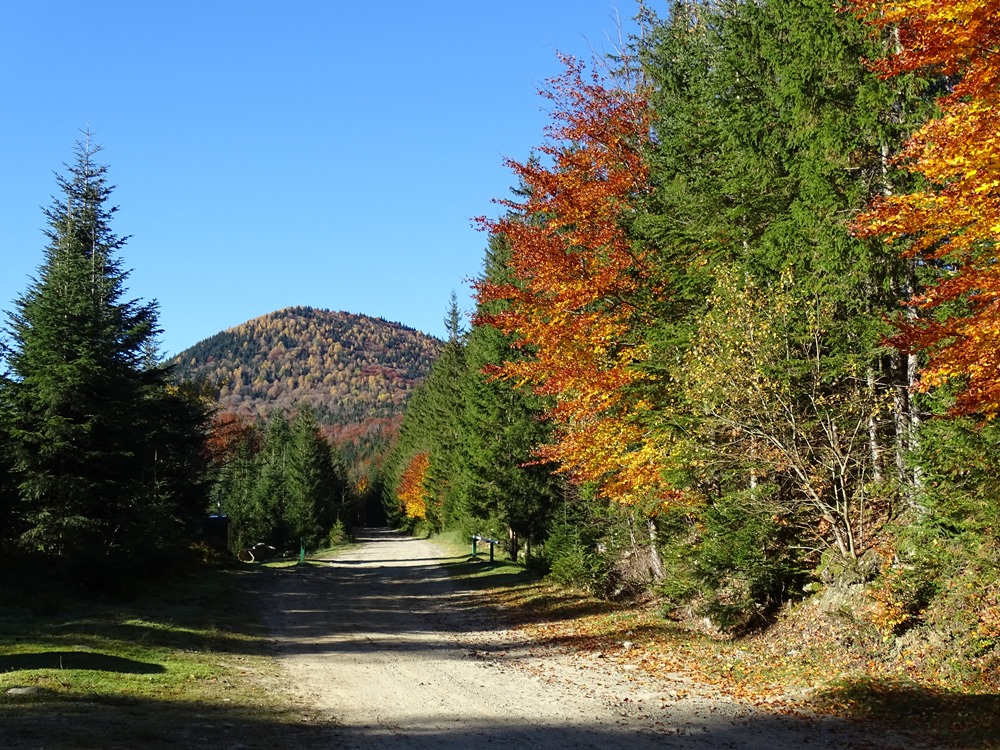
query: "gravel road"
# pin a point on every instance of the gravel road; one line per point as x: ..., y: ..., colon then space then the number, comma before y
x: 389, y: 652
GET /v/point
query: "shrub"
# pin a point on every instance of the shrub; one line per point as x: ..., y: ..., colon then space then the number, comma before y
x: 571, y: 557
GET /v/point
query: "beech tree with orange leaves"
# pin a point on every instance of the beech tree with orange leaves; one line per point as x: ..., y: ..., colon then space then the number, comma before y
x: 411, y: 491
x: 953, y: 224
x: 576, y: 275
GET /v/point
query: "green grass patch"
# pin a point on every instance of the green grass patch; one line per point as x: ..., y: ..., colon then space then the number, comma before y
x: 463, y: 566
x: 183, y: 663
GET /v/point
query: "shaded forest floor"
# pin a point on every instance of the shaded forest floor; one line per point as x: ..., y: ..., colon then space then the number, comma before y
x: 821, y: 655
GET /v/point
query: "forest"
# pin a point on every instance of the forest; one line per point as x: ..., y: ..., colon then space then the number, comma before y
x: 111, y: 459
x: 734, y: 341
x: 734, y: 347
x: 348, y: 375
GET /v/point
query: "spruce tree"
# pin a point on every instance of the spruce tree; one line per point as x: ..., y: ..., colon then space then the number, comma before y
x: 8, y: 495
x: 315, y: 490
x: 271, y: 491
x: 99, y: 439
x: 431, y: 425
x: 503, y: 488
x: 445, y: 404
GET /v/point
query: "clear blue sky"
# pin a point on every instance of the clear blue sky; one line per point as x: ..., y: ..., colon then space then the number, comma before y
x: 269, y: 154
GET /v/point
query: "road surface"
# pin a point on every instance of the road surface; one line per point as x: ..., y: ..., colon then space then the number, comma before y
x: 390, y: 653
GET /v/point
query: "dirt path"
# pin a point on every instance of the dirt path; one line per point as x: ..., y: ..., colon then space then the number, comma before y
x: 385, y: 648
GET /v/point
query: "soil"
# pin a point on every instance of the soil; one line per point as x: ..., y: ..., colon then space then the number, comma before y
x: 383, y: 649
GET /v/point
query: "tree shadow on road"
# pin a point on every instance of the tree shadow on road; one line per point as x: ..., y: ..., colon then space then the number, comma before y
x: 947, y: 719
x: 58, y: 722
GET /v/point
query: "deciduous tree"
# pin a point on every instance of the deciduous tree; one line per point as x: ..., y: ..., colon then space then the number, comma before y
x: 411, y: 491
x: 576, y: 276
x: 953, y: 223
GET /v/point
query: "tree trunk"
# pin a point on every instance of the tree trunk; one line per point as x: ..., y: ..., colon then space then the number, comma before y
x: 873, y: 442
x: 655, y: 561
x: 512, y: 543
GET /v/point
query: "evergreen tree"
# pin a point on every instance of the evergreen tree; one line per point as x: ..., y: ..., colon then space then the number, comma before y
x: 9, y: 522
x: 315, y: 489
x: 235, y: 454
x: 445, y: 406
x: 270, y: 497
x: 99, y: 439
x: 432, y: 425
x: 770, y: 374
x: 502, y: 488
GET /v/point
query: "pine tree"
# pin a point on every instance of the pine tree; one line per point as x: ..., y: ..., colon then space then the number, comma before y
x: 99, y: 438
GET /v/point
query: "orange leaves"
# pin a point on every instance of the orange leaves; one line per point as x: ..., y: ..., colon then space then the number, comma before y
x: 411, y: 492
x: 228, y: 432
x: 955, y: 222
x: 576, y: 274
x: 946, y: 34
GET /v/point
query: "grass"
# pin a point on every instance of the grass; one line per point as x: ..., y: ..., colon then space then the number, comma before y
x: 179, y: 665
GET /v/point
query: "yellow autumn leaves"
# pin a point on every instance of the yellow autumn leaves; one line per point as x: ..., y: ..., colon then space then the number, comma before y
x: 954, y: 223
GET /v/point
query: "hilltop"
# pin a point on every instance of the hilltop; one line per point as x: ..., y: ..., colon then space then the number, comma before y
x: 354, y: 370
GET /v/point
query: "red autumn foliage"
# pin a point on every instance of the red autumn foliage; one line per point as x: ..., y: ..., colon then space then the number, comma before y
x: 576, y: 273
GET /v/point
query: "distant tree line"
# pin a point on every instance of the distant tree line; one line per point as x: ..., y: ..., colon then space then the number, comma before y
x: 280, y: 482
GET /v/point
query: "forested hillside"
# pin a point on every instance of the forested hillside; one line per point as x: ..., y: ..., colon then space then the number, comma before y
x: 354, y: 371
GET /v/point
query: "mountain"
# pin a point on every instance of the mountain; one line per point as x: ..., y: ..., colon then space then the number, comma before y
x: 356, y: 371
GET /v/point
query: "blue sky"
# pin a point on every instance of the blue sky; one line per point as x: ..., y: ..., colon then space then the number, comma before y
x: 269, y: 154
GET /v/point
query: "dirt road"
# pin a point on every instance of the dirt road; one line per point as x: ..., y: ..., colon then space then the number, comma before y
x: 390, y: 653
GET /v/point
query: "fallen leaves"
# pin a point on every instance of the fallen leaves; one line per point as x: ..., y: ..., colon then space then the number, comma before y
x: 813, y: 659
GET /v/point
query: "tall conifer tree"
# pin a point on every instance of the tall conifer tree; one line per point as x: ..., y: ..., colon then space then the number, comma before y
x: 501, y: 484
x: 315, y: 489
x: 105, y: 455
